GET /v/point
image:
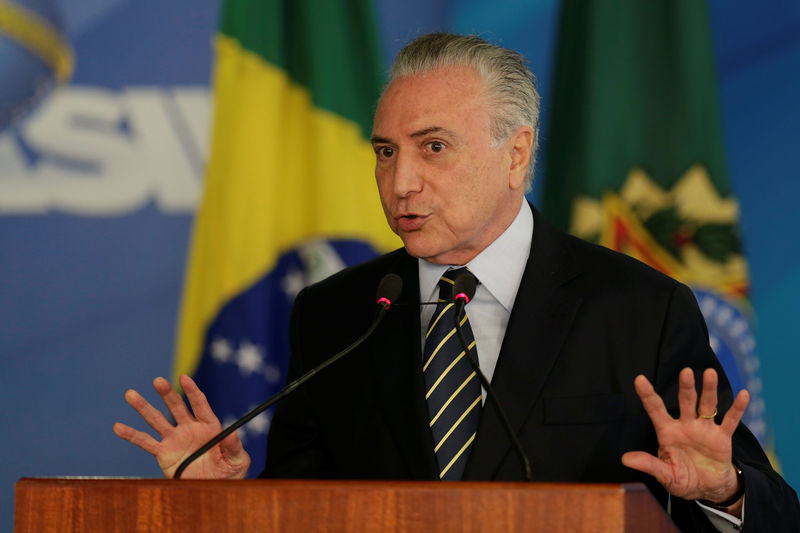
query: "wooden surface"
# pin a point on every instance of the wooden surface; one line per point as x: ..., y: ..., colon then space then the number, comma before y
x: 161, y: 505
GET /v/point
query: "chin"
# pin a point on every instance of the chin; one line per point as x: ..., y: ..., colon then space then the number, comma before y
x: 431, y: 255
x: 420, y: 245
x: 417, y: 248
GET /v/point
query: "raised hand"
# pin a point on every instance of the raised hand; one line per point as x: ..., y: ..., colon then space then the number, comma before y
x: 694, y: 452
x: 227, y: 460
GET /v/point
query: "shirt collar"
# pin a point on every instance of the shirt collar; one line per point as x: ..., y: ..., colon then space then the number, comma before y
x: 499, y: 267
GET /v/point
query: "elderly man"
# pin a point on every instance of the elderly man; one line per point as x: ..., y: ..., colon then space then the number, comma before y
x: 580, y: 343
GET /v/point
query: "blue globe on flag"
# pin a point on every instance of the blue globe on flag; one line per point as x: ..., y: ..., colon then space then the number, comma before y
x: 35, y: 56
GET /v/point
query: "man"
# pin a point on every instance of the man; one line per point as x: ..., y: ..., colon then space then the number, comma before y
x: 570, y: 334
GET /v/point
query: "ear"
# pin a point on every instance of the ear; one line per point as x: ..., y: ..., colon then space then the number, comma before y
x: 520, y: 145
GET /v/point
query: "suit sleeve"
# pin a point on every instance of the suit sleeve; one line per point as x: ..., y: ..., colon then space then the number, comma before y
x: 294, y: 447
x: 771, y: 505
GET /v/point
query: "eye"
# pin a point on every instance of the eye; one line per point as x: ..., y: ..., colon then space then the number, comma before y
x: 384, y: 152
x: 435, y: 146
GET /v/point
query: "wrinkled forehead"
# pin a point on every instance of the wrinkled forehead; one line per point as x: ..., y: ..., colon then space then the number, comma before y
x: 452, y: 91
x: 449, y: 74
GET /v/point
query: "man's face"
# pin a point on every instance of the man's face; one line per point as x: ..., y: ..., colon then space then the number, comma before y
x: 445, y: 190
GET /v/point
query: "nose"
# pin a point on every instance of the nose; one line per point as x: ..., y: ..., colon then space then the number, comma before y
x: 407, y: 176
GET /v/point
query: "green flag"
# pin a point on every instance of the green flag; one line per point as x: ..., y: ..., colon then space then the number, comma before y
x: 635, y: 159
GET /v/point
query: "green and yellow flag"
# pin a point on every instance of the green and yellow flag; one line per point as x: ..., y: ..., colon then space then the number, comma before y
x: 636, y: 162
x: 289, y: 195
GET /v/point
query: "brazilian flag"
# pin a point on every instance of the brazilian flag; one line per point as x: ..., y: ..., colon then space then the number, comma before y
x: 636, y: 160
x: 289, y: 196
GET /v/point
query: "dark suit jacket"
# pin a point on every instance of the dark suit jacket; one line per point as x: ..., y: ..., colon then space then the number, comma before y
x: 586, y: 321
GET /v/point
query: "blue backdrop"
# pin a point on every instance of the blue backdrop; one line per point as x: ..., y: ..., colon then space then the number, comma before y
x: 98, y: 186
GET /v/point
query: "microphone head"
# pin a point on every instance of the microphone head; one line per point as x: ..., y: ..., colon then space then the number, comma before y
x: 389, y: 288
x: 464, y: 287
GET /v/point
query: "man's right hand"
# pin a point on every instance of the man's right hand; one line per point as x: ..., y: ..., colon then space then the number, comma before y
x: 227, y: 460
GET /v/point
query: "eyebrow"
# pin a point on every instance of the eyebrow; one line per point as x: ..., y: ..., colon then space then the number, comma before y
x: 432, y: 129
x: 375, y: 139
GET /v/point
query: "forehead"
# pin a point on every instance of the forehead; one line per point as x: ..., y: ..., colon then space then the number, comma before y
x: 446, y: 97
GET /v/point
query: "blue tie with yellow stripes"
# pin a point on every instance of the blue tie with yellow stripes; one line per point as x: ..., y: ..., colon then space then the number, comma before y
x: 453, y: 391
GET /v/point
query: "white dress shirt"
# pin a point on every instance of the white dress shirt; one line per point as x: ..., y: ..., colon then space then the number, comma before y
x: 499, y: 269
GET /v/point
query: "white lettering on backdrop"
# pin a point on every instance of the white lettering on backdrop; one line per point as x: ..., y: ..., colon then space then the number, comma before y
x: 92, y: 151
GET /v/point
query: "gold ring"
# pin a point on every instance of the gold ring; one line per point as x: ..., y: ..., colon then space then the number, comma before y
x: 709, y: 417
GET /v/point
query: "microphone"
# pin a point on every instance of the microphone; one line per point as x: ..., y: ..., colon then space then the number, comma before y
x: 389, y: 289
x: 464, y: 287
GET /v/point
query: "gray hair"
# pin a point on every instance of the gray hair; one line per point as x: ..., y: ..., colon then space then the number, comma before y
x: 509, y: 83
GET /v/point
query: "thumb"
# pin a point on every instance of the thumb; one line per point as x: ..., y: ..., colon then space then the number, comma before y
x: 233, y: 450
x: 647, y: 463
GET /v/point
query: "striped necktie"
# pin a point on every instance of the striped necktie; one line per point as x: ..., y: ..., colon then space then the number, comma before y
x: 453, y: 391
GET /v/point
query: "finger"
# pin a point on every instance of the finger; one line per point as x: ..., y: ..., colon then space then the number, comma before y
x: 202, y: 410
x: 154, y: 418
x: 687, y: 395
x: 651, y: 402
x: 735, y: 413
x: 172, y: 400
x: 235, y: 455
x: 232, y: 446
x: 139, y: 438
x: 649, y: 464
x: 708, y: 397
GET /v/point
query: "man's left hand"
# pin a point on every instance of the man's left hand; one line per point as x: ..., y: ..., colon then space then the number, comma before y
x: 694, y: 453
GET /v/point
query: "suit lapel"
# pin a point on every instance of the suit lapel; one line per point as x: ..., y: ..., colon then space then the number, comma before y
x: 540, y: 320
x: 399, y: 379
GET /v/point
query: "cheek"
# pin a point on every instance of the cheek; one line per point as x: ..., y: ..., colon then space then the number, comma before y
x: 476, y: 199
x: 471, y: 187
x: 383, y: 183
x: 385, y: 194
x: 459, y: 208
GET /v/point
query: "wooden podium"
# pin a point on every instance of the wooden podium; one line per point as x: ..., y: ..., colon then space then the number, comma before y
x: 76, y: 505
